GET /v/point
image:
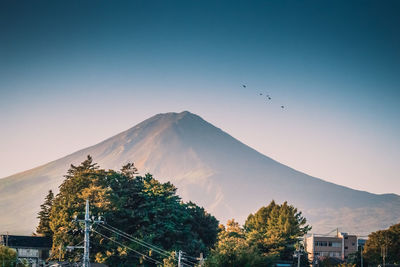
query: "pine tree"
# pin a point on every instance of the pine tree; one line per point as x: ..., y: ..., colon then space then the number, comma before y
x: 274, y: 229
x: 44, y: 216
x: 82, y: 182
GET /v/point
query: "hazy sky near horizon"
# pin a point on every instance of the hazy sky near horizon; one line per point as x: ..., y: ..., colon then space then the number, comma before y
x: 74, y: 73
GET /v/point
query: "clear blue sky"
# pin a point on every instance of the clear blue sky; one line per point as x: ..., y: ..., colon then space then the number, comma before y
x: 73, y: 74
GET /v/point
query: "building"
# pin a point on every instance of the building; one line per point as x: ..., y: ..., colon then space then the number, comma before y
x: 33, y: 249
x: 338, y: 247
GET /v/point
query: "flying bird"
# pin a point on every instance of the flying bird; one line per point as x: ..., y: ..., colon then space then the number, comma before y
x: 267, y: 96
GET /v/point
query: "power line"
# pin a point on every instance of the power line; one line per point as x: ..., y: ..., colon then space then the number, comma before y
x: 362, y: 234
x: 194, y: 258
x: 136, y: 240
x: 119, y: 243
x: 183, y: 259
x: 142, y: 243
x: 52, y: 253
x: 186, y: 256
x: 147, y: 245
x: 126, y: 235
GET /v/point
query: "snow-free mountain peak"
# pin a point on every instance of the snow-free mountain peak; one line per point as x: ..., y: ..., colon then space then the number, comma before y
x: 209, y: 167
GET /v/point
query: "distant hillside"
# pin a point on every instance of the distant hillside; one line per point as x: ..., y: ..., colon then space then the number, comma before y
x: 209, y: 167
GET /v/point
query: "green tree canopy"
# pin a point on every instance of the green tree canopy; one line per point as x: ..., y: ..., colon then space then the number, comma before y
x: 275, y: 229
x: 388, y: 240
x: 233, y: 250
x: 268, y: 236
x: 138, y: 205
x: 8, y: 257
x: 43, y: 228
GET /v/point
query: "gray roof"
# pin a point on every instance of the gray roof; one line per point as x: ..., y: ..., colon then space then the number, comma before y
x: 18, y: 241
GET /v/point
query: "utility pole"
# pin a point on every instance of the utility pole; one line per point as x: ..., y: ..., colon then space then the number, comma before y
x: 362, y: 262
x: 86, y: 245
x: 298, y: 259
x: 298, y: 254
x: 86, y: 261
x: 384, y: 254
x: 201, y: 259
x: 179, y: 258
x: 59, y: 256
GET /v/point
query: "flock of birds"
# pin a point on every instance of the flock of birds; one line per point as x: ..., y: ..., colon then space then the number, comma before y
x: 268, y: 97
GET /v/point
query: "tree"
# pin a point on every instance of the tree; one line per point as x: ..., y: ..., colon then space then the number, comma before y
x: 233, y: 250
x: 389, y: 240
x: 151, y: 211
x: 138, y: 205
x: 269, y: 235
x: 203, y: 224
x: 70, y: 202
x: 43, y: 228
x: 275, y: 229
x: 355, y: 258
x: 8, y: 256
x: 328, y: 262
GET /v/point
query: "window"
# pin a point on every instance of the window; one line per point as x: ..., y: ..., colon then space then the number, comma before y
x: 334, y: 254
x: 346, y: 247
x: 336, y: 244
x: 321, y: 243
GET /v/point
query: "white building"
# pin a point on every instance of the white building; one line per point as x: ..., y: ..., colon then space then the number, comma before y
x: 337, y: 247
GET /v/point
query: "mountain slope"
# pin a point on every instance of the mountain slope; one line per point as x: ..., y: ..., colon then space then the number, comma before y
x: 210, y: 168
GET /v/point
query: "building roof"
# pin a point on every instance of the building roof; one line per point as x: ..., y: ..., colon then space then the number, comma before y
x: 18, y: 241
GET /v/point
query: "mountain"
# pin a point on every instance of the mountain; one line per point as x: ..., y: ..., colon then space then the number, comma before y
x: 209, y: 167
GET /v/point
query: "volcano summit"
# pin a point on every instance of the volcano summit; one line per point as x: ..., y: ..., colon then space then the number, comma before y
x: 209, y: 167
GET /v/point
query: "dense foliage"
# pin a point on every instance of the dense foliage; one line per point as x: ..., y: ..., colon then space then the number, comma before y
x: 152, y: 212
x: 355, y: 258
x: 268, y: 235
x: 234, y: 250
x: 275, y: 229
x: 388, y: 240
x: 8, y: 256
x: 43, y: 228
x: 139, y: 205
